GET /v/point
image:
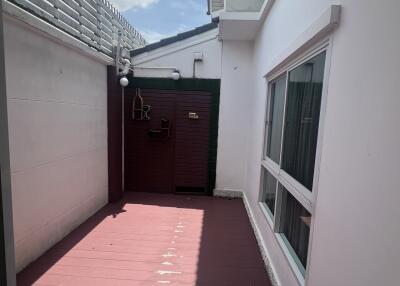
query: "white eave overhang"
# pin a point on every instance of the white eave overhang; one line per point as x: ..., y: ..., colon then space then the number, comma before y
x: 242, y: 25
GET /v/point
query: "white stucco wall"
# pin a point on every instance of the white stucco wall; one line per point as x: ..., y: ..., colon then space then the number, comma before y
x: 57, y: 107
x: 235, y: 108
x: 357, y: 213
x: 180, y: 55
x: 275, y: 36
x: 356, y: 229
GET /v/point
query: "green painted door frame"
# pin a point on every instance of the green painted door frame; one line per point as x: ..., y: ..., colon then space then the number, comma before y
x: 192, y: 84
x: 7, y: 264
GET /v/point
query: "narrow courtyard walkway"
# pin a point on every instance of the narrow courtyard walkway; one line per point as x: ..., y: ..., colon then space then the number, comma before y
x: 154, y: 239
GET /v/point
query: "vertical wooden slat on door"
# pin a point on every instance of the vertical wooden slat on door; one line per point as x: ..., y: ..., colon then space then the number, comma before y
x: 153, y: 165
x: 192, y: 141
x: 149, y: 162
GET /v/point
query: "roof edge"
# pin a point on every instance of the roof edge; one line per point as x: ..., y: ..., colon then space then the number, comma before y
x: 174, y: 39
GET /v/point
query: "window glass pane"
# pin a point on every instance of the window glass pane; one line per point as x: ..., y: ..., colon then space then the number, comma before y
x: 275, y: 119
x: 295, y: 226
x: 269, y: 190
x: 302, y: 119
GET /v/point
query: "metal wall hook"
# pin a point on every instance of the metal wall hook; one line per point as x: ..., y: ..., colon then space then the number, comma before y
x: 162, y: 134
x: 139, y: 107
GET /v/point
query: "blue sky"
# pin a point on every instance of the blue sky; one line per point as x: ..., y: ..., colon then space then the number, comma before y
x: 157, y: 19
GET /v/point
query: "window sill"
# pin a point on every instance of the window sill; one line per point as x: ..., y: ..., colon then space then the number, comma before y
x: 281, y: 242
x: 267, y: 214
x: 292, y: 262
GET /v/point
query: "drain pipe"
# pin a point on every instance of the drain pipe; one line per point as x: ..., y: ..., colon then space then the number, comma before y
x: 197, y: 57
x: 124, y: 83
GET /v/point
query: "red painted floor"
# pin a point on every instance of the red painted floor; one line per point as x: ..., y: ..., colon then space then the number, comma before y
x: 153, y: 239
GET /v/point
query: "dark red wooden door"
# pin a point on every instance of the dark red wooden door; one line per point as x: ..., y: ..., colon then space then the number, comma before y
x: 155, y: 162
x: 148, y: 160
x: 192, y: 139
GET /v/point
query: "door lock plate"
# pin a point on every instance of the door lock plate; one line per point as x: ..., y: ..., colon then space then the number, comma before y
x: 193, y: 116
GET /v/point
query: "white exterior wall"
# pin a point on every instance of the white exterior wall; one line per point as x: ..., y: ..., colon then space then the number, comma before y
x: 275, y: 36
x: 236, y: 89
x: 180, y: 55
x: 356, y: 229
x: 57, y: 108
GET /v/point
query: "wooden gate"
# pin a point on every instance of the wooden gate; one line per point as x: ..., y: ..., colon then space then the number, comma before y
x: 166, y: 140
x: 183, y: 160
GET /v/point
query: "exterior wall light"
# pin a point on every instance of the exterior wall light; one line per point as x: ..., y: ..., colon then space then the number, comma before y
x: 176, y: 75
x: 124, y: 81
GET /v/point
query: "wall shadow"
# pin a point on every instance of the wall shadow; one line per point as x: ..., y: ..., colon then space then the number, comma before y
x: 37, y: 268
x: 227, y: 254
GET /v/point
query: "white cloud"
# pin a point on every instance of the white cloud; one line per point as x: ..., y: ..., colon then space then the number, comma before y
x: 188, y: 5
x: 153, y: 36
x: 124, y: 5
x: 182, y: 28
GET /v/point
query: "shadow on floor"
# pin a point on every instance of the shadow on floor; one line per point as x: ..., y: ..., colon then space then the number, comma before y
x: 156, y: 239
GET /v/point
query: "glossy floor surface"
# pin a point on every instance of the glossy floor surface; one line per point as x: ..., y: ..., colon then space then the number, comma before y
x: 153, y: 239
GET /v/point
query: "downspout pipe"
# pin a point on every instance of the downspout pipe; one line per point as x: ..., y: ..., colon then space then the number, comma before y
x: 118, y: 53
x: 122, y: 73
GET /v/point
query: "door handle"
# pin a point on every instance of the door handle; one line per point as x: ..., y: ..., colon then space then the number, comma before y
x: 163, y: 133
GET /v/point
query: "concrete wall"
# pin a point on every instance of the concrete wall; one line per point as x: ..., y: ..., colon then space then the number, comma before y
x: 234, y: 121
x: 357, y: 213
x: 181, y: 54
x: 356, y: 229
x: 57, y: 107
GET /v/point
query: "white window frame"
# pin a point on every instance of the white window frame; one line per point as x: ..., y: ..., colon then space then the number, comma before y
x: 304, y: 196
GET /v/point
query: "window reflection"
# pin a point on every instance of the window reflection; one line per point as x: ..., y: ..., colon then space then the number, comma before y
x: 295, y: 225
x: 302, y: 120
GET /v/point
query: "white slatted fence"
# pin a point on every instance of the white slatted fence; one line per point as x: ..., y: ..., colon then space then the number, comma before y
x: 94, y: 22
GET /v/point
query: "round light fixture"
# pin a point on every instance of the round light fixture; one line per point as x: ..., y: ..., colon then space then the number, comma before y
x: 124, y: 81
x: 176, y: 75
